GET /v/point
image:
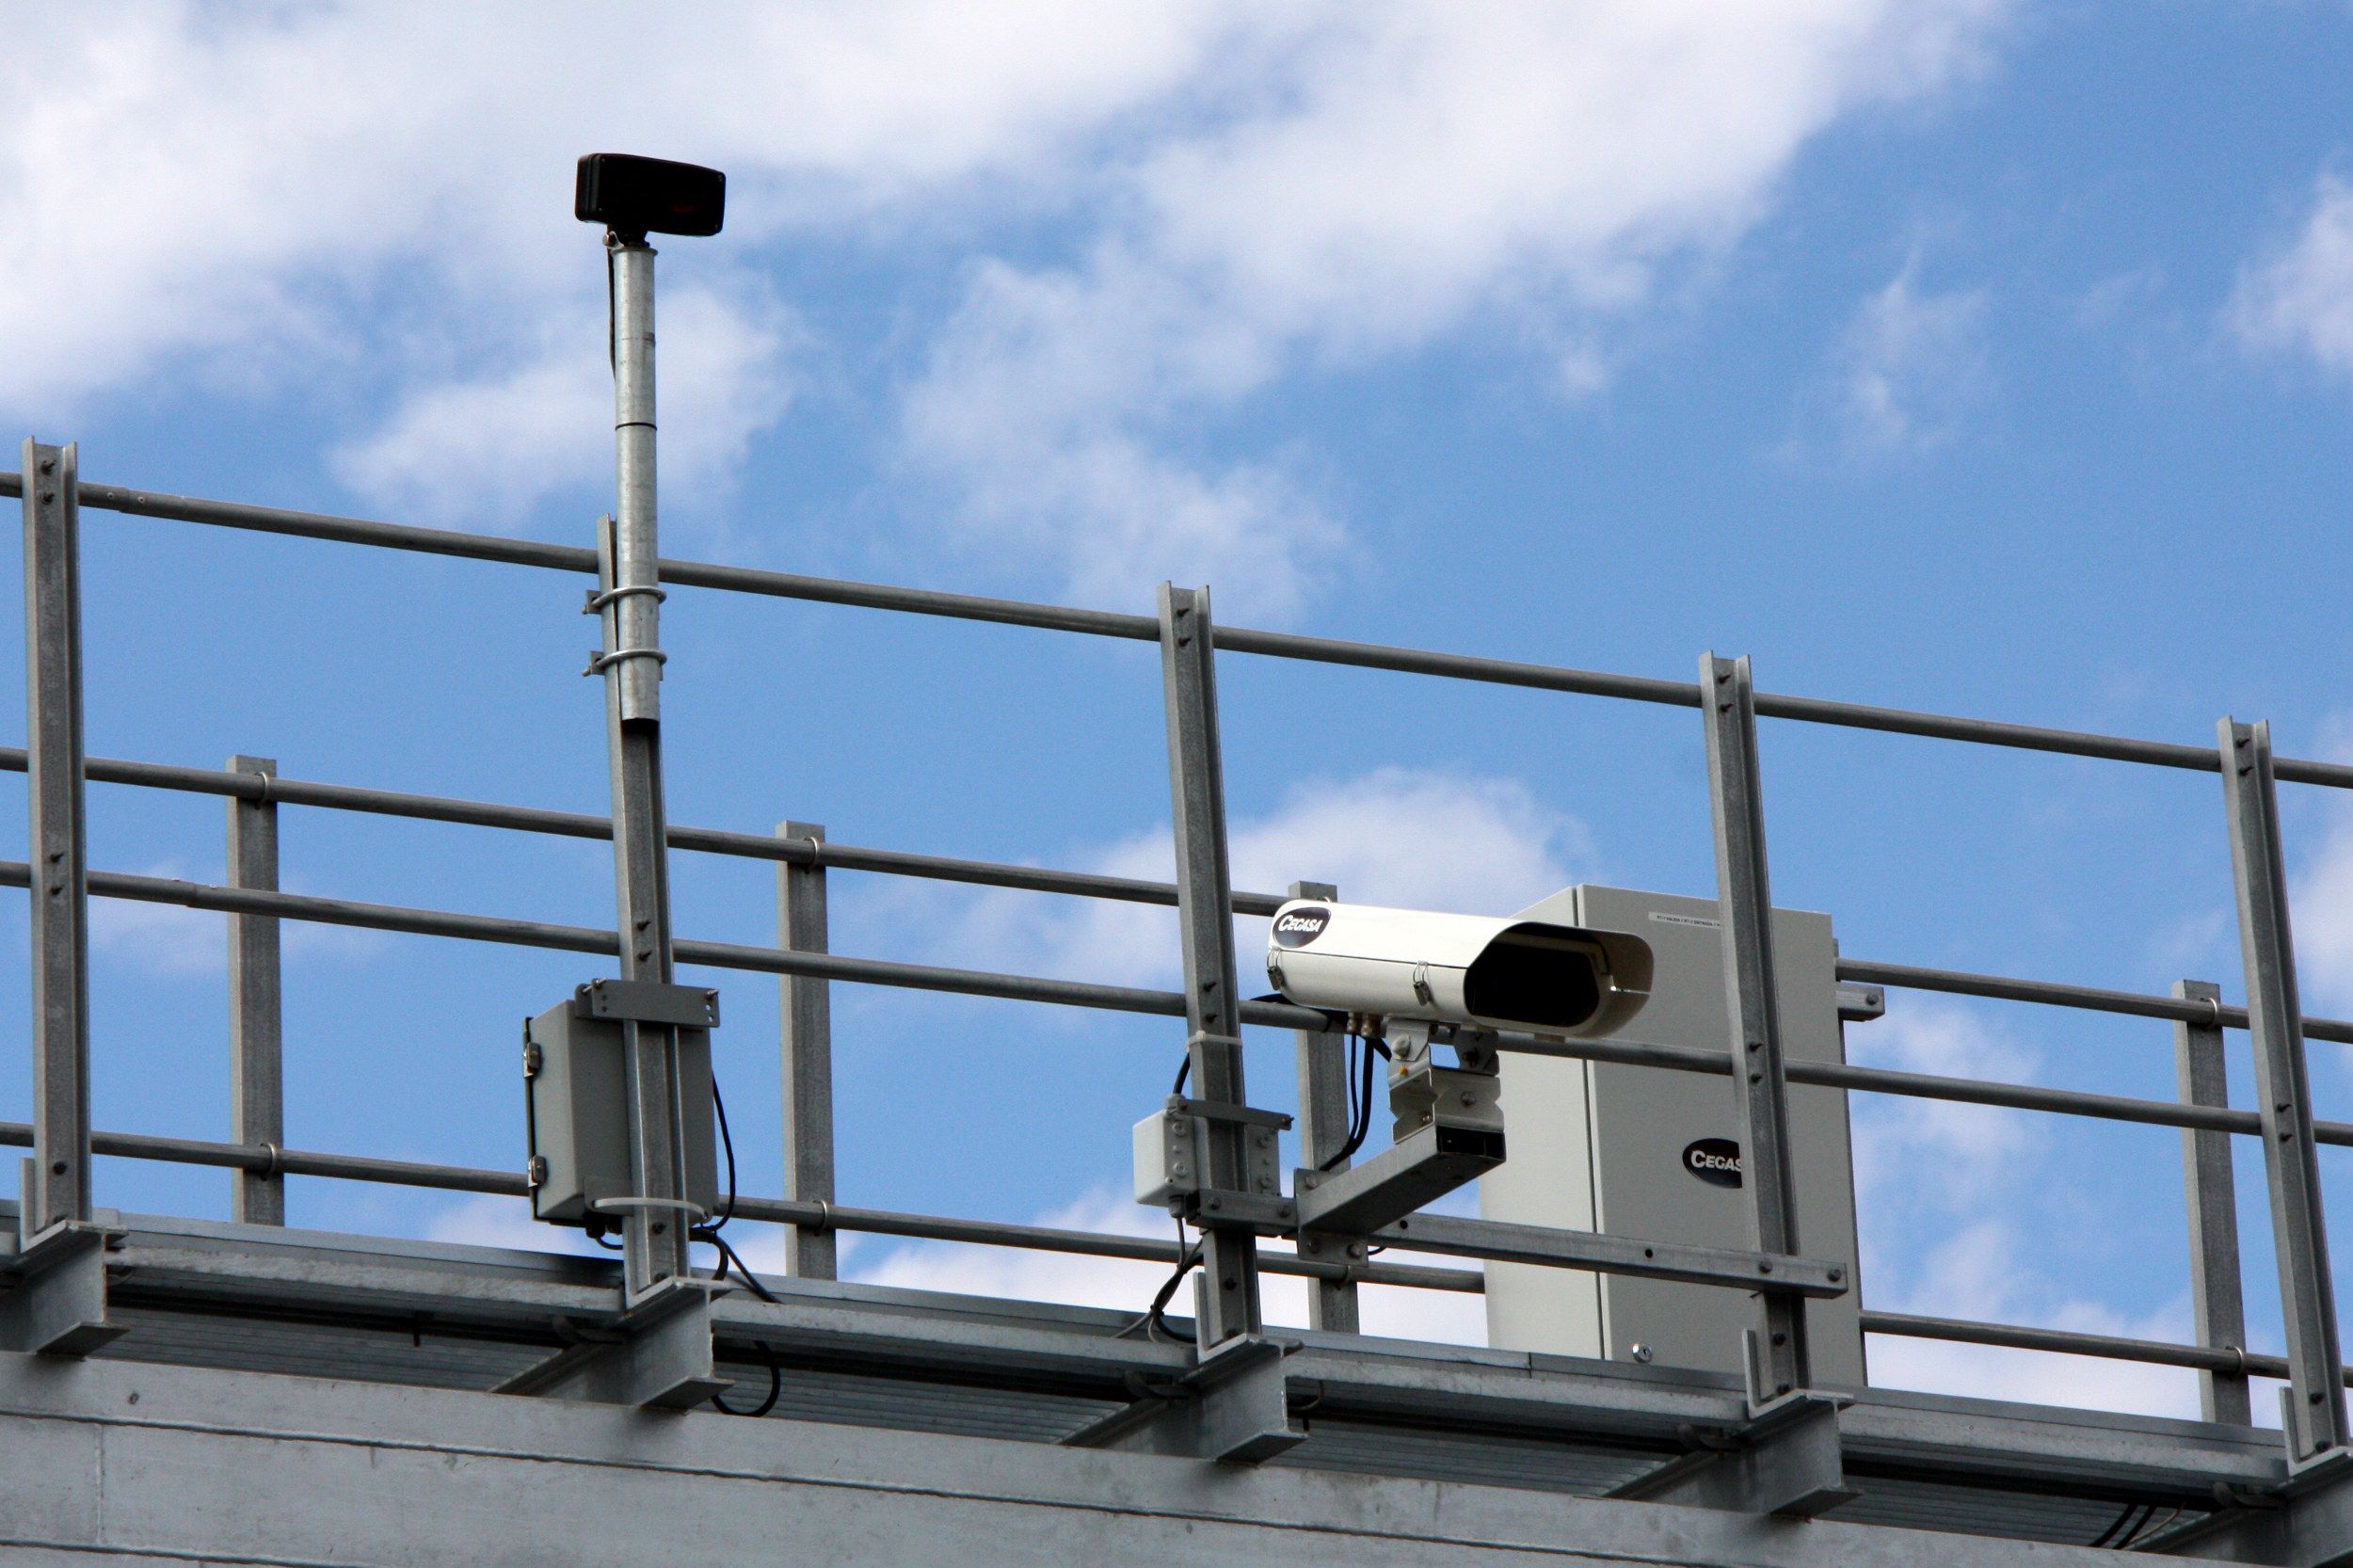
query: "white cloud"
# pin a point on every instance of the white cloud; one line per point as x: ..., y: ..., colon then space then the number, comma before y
x: 1395, y: 835
x: 1397, y: 170
x: 1974, y: 1149
x: 484, y: 451
x: 172, y: 941
x: 1981, y: 1274
x: 488, y: 1220
x: 2299, y: 297
x: 230, y: 195
x: 1909, y: 366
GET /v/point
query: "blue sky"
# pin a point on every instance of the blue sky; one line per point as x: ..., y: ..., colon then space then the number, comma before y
x: 1981, y: 357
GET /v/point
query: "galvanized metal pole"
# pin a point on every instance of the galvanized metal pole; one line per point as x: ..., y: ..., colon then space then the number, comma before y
x: 1759, y: 1081
x: 628, y: 601
x: 2214, y: 1256
x: 2314, y: 1412
x: 58, y: 1177
x: 1323, y: 1129
x: 257, y: 1096
x: 1227, y: 1295
x: 805, y: 1007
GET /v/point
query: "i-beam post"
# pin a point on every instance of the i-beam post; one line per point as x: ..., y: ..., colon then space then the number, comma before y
x: 1759, y: 1082
x: 1227, y: 1291
x: 2215, y: 1300
x: 629, y: 600
x: 805, y: 1007
x: 1324, y: 1091
x: 58, y: 1176
x: 257, y: 1099
x: 2313, y: 1404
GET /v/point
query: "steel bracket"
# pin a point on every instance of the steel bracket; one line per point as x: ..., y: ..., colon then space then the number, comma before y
x: 1233, y: 1406
x: 56, y: 1305
x: 1786, y: 1458
x: 1217, y: 1208
x: 1417, y: 1169
x: 657, y: 1356
x: 2306, y: 1522
x: 649, y: 1001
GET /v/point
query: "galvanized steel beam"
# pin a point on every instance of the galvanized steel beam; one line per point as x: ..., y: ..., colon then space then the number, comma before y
x: 257, y: 1095
x: 1759, y: 1079
x: 1227, y: 1296
x: 333, y: 1473
x: 58, y: 1177
x: 2217, y: 1302
x: 805, y: 1014
x: 2314, y: 1410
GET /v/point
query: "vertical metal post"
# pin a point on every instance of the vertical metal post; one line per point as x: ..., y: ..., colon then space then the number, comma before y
x: 629, y: 603
x: 806, y: 1009
x: 1324, y: 1092
x: 1759, y: 1085
x: 57, y: 1178
x: 2313, y: 1412
x: 1229, y: 1291
x: 2214, y: 1255
x: 257, y: 1100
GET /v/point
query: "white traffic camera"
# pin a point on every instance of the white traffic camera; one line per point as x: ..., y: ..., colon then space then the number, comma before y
x: 1409, y: 966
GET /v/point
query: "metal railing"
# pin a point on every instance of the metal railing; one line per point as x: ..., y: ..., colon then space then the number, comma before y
x: 2283, y: 1122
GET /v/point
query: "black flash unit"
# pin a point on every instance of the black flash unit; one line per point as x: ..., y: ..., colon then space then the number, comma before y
x: 635, y: 197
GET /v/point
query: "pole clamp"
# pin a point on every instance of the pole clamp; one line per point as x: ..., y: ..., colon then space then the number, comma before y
x: 277, y: 1165
x: 825, y: 1218
x: 600, y: 661
x: 618, y: 1205
x: 598, y: 601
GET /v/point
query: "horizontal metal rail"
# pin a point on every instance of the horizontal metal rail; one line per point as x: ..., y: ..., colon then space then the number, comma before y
x: 1104, y: 623
x: 344, y: 1167
x: 583, y: 825
x: 842, y: 856
x: 718, y: 955
x: 1128, y: 999
x: 1965, y: 1091
x: 2109, y: 1347
x: 879, y: 1222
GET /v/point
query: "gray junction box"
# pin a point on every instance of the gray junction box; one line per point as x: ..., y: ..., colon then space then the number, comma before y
x: 576, y: 1099
x: 1649, y: 1152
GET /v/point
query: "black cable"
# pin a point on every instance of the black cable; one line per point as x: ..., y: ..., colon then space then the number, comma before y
x: 726, y: 1141
x: 1156, y: 1316
x: 1184, y: 1071
x: 1153, y: 1319
x: 1359, y: 1108
x: 730, y: 1257
x: 2121, y: 1528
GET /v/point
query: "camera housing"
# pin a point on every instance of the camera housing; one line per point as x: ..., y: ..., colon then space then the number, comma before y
x: 1535, y: 977
x: 635, y: 197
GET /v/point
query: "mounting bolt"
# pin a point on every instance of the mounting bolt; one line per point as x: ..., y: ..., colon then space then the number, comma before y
x: 1640, y: 1352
